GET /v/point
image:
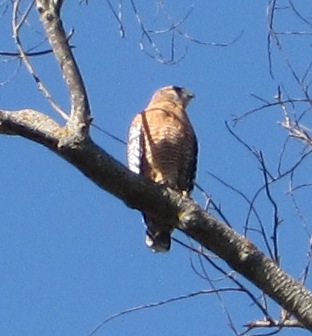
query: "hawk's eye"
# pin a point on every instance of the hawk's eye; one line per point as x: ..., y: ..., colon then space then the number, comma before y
x: 177, y: 89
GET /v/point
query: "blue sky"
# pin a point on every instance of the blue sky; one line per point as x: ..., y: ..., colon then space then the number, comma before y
x: 71, y: 255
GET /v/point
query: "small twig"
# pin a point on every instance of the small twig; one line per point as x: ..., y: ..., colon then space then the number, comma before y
x: 118, y: 17
x: 109, y: 134
x: 230, y: 276
x: 219, y: 296
x: 276, y: 220
x: 209, y: 201
x: 213, y: 44
x: 274, y: 323
x: 158, y: 304
x: 237, y: 118
x: 299, y: 15
x: 27, y: 54
x: 16, y: 28
x: 251, y: 209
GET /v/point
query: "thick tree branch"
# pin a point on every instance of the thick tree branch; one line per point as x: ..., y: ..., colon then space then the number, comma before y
x: 79, y: 120
x: 142, y: 194
x: 90, y: 159
x: 74, y: 145
x: 30, y: 124
x: 244, y: 257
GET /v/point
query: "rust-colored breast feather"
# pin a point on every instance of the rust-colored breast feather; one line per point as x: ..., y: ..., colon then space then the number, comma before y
x: 168, y: 148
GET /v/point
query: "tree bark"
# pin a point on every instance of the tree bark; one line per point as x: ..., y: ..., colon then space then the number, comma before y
x: 72, y: 143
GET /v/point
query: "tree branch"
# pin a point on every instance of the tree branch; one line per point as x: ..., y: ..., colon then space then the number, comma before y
x: 73, y: 144
x: 144, y: 195
x: 79, y: 120
x: 277, y: 324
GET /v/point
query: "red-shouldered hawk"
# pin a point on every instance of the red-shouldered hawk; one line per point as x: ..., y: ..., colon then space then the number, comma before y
x: 162, y: 146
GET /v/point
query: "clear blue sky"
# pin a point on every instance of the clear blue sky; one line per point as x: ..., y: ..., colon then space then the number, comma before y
x: 71, y: 255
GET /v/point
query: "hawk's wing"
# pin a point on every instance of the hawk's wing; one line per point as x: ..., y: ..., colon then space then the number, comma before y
x: 135, y: 145
x: 189, y: 166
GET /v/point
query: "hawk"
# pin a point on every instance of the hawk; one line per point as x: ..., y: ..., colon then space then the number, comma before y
x: 162, y: 146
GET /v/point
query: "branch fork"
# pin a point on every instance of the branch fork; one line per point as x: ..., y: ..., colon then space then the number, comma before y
x: 72, y: 143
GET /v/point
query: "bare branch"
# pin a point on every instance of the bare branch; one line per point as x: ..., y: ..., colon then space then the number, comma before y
x: 174, y: 29
x: 252, y: 209
x: 237, y: 283
x: 237, y: 118
x: 276, y: 219
x: 31, y: 124
x: 28, y: 54
x: 299, y: 15
x: 79, y: 120
x: 274, y: 324
x: 16, y: 26
x: 118, y: 17
x: 101, y: 129
x: 158, y: 304
x: 74, y: 145
x: 214, y: 206
x: 13, y: 75
x: 144, y: 195
x: 296, y: 130
x: 213, y: 44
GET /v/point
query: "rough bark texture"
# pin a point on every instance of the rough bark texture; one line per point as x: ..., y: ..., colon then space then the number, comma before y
x: 142, y: 194
x: 73, y: 144
x: 244, y: 257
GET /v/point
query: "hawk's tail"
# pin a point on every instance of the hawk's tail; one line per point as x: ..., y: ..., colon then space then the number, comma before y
x: 159, y: 241
x: 157, y: 236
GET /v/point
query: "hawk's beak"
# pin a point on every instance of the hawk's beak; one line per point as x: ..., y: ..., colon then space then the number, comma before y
x: 189, y: 94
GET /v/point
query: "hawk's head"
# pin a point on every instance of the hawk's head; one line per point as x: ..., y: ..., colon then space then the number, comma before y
x: 175, y: 94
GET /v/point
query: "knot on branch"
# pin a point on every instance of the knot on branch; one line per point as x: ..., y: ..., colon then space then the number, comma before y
x: 247, y: 250
x: 70, y: 139
x: 188, y: 213
x: 50, y: 9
